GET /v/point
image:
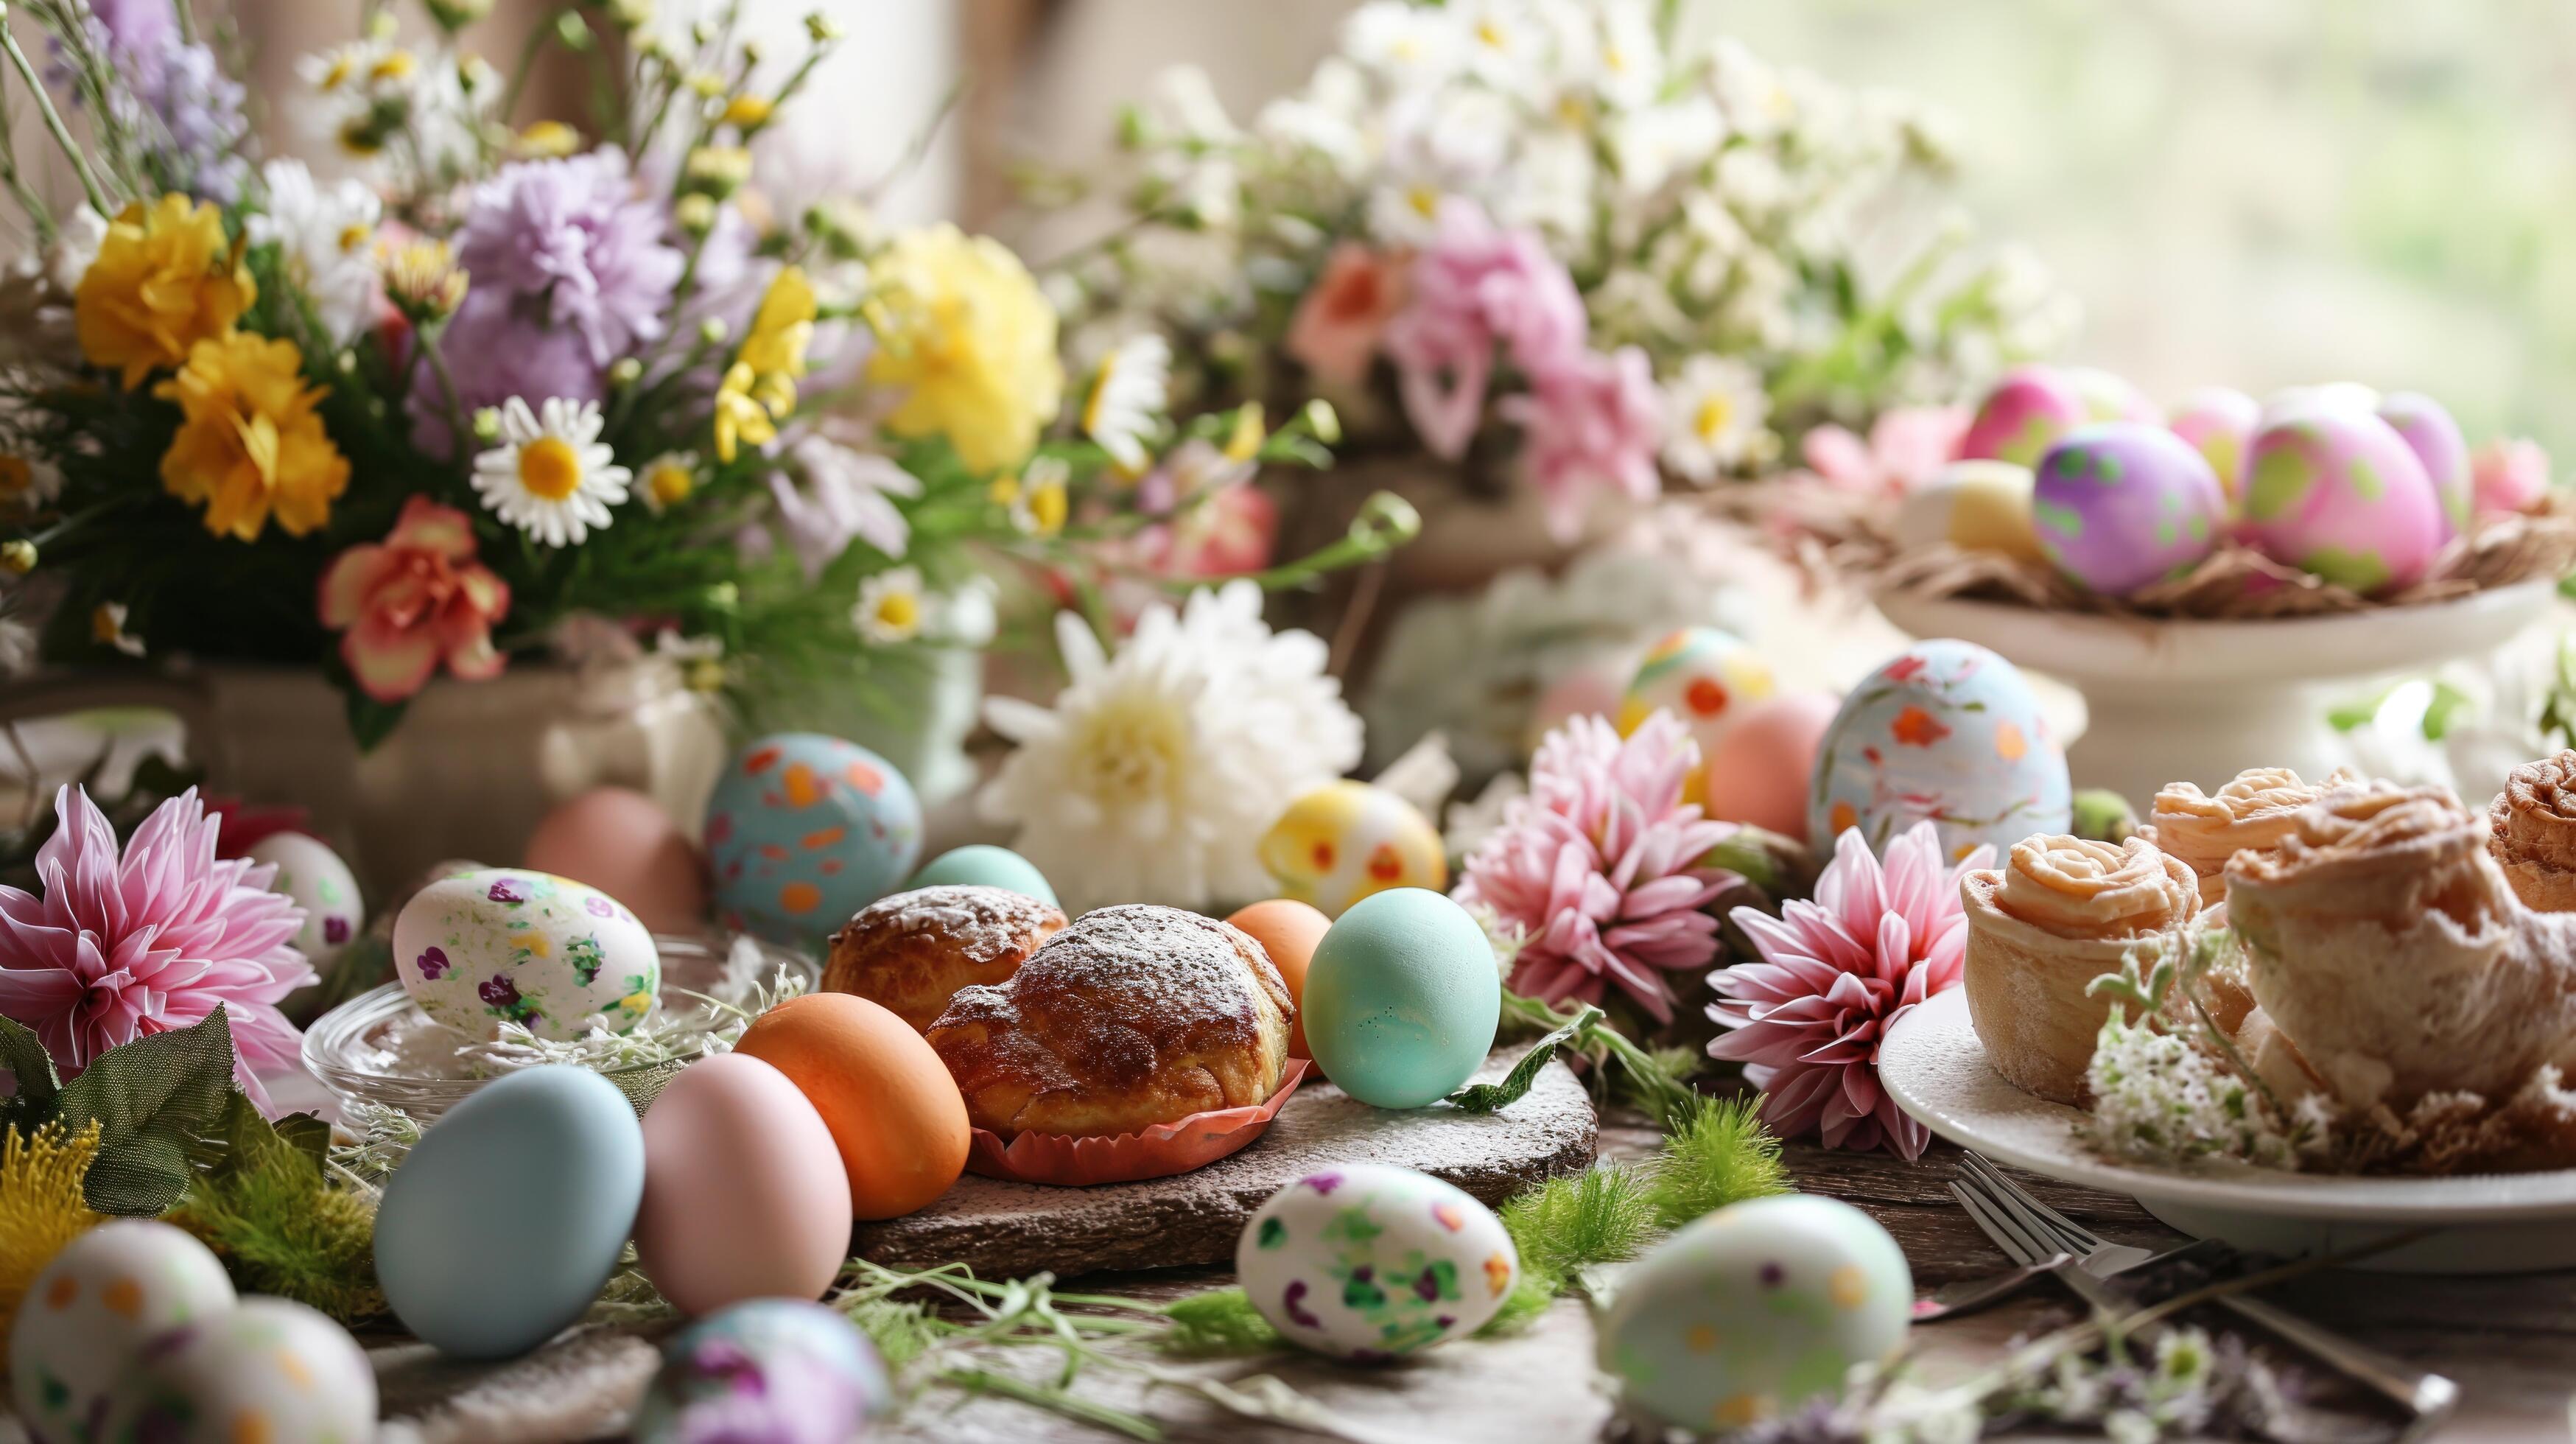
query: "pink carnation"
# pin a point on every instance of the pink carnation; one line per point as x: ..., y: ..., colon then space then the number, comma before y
x: 1476, y: 288
x: 1835, y: 975
x: 117, y: 948
x: 1594, y: 422
x: 1601, y: 866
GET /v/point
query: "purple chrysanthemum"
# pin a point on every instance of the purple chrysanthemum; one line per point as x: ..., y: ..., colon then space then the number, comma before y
x: 574, y: 237
x: 117, y: 947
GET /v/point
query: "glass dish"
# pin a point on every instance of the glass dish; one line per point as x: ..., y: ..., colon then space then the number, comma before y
x: 380, y: 1048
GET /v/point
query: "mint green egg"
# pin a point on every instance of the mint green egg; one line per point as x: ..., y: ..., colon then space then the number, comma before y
x: 981, y: 864
x: 1402, y: 998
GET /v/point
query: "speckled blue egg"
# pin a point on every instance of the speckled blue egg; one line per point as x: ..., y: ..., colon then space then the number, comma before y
x: 2435, y: 439
x: 1948, y: 733
x: 803, y: 831
x: 2121, y: 505
x: 1755, y: 1309
x: 506, y: 1219
x: 783, y: 1369
x: 1402, y: 998
x: 981, y: 864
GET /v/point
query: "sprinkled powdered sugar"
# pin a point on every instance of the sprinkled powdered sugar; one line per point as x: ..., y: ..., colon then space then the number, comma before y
x: 979, y: 924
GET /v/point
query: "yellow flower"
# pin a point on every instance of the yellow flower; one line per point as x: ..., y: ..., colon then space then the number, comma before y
x: 165, y: 279
x: 1245, y: 442
x: 747, y: 112
x: 41, y: 1208
x: 548, y: 139
x: 739, y: 418
x: 422, y: 278
x: 964, y: 332
x: 251, y: 442
x: 760, y: 386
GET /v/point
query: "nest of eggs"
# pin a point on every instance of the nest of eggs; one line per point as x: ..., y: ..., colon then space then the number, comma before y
x: 1851, y: 538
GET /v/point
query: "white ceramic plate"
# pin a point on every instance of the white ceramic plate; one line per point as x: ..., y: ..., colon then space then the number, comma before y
x: 1936, y: 1070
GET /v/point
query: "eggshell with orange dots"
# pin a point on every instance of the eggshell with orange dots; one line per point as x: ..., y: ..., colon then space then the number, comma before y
x: 1346, y: 840
x: 93, y: 1307
x: 1758, y: 771
x: 1703, y: 676
x: 893, y: 1111
x: 1945, y: 732
x: 1288, y: 931
x: 803, y: 831
x: 621, y: 842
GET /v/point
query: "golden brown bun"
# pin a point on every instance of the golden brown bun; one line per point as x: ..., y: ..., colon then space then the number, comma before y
x: 912, y: 951
x: 1130, y: 1017
x: 2532, y: 833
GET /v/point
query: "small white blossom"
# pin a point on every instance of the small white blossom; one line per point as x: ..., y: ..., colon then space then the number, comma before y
x: 1713, y: 416
x: 326, y: 237
x: 1129, y: 391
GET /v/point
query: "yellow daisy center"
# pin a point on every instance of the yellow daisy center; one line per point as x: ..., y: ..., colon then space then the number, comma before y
x: 899, y: 612
x: 397, y: 65
x: 1713, y: 415
x: 1491, y: 34
x: 1425, y: 201
x: 337, y: 75
x: 668, y: 485
x: 352, y: 236
x: 1130, y: 752
x: 549, y: 468
x: 1047, y: 507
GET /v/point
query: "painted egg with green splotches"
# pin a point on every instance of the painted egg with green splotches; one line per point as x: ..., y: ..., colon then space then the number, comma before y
x: 2122, y: 505
x: 1370, y: 1262
x: 2337, y: 492
x: 512, y: 945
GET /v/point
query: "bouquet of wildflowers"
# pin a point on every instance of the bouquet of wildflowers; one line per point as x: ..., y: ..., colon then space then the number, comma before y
x: 1563, y: 225
x: 504, y: 391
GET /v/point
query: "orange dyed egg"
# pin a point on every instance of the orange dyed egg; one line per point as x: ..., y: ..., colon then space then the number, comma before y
x: 892, y: 1110
x: 1288, y: 931
x: 622, y: 843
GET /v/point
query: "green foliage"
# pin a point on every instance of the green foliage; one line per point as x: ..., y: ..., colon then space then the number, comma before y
x: 1220, y: 1323
x: 1604, y: 1214
x: 39, y: 1087
x: 153, y: 1099
x: 1719, y: 1153
x: 1495, y: 1097
x: 265, y: 1204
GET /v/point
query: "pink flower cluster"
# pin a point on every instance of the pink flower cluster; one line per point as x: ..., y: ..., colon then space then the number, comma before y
x: 1835, y: 975
x: 117, y: 947
x: 1480, y: 294
x: 1904, y: 447
x: 1602, y: 866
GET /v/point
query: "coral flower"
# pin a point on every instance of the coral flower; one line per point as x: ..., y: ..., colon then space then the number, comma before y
x: 965, y: 334
x: 251, y: 443
x: 164, y: 280
x: 1600, y: 866
x: 1337, y: 327
x: 115, y: 948
x: 415, y: 600
x: 1835, y: 975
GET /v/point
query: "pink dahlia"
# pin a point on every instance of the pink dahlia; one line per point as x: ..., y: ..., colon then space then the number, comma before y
x: 1600, y: 866
x: 116, y: 948
x: 1835, y: 975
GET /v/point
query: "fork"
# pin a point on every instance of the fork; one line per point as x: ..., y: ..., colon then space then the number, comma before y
x: 2029, y: 1230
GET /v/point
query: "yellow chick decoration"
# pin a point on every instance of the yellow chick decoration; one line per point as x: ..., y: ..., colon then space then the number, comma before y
x: 1346, y: 840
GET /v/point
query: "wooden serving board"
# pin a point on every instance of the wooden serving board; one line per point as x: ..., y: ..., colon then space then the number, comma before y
x: 1004, y: 1230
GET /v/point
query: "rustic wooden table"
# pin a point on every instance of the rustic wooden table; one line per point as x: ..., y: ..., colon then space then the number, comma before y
x: 2509, y: 1342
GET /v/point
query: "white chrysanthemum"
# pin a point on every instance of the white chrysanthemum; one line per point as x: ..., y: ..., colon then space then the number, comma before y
x: 892, y: 608
x: 1157, y: 770
x: 1129, y: 390
x: 1713, y: 415
x: 551, y: 476
x: 326, y: 237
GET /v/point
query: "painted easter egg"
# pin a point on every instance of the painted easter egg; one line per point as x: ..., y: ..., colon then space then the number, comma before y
x: 1288, y: 931
x: 271, y: 1369
x: 2023, y: 416
x: 509, y: 945
x: 1402, y: 998
x: 505, y: 1220
x: 894, y: 1112
x: 1372, y: 1262
x: 2120, y: 505
x: 803, y: 831
x: 744, y: 1194
x: 981, y: 864
x: 2435, y: 438
x: 773, y: 1369
x: 91, y: 1309
x: 1703, y: 676
x: 1345, y: 840
x: 1758, y: 772
x: 2339, y: 493
x: 2110, y: 396
x: 320, y: 883
x: 1948, y: 732
x: 2219, y: 422
x: 1754, y: 1310
x: 623, y: 843
x: 1587, y: 688
x: 1974, y: 506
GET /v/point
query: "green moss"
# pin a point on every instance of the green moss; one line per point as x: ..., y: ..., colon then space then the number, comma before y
x: 1717, y: 1154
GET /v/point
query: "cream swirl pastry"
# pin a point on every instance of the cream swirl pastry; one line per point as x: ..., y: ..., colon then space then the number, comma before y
x: 2532, y: 832
x: 2059, y: 913
x: 2253, y: 810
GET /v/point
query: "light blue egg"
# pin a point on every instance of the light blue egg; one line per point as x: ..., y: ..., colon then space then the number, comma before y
x: 983, y: 865
x: 506, y: 1219
x: 1948, y: 733
x: 803, y: 831
x: 766, y: 1368
x: 1402, y: 998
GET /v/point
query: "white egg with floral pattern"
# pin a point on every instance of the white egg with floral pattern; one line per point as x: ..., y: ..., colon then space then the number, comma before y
x: 497, y: 946
x: 1369, y: 1262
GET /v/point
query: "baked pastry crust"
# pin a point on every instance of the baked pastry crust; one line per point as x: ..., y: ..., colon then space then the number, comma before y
x: 1130, y: 1017
x: 912, y: 951
x: 2253, y: 810
x: 2532, y: 833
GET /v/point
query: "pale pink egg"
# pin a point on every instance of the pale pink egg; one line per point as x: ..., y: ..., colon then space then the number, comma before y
x: 622, y: 843
x: 744, y: 1193
x: 1759, y: 770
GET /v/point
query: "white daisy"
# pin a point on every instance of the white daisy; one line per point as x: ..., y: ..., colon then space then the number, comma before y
x: 1410, y: 46
x: 107, y: 628
x: 893, y: 608
x: 327, y: 239
x: 1129, y: 390
x: 1629, y: 62
x: 1713, y: 415
x: 1156, y: 771
x: 667, y: 480
x: 1504, y: 40
x: 551, y: 476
